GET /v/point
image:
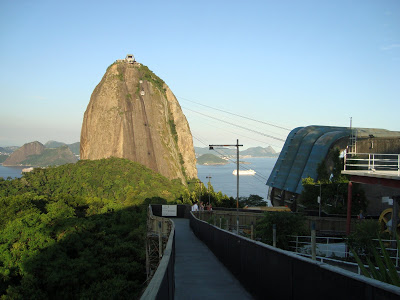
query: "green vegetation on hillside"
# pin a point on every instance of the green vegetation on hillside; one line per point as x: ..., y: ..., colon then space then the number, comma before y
x: 75, y: 147
x: 57, y: 156
x: 77, y: 230
x: 210, y: 159
x: 54, y: 144
x: 3, y: 158
x: 148, y: 75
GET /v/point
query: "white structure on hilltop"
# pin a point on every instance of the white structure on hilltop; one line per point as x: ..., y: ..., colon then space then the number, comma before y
x: 130, y: 58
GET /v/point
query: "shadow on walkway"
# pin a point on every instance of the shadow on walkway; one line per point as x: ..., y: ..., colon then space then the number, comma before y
x: 198, y: 273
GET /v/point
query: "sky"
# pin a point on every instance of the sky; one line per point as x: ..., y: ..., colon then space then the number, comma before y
x: 283, y: 63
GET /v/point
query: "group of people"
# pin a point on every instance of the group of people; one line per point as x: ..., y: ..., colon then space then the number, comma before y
x: 200, y: 206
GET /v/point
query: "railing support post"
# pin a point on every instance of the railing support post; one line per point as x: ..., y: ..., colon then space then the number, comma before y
x: 274, y: 235
x: 313, y: 242
x: 160, y: 250
x: 349, y: 197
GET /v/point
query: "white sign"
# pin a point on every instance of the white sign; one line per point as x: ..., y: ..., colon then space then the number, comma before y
x: 387, y: 200
x: 169, y: 211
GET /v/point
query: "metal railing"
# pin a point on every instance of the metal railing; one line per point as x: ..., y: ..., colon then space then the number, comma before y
x: 160, y: 257
x: 332, y: 250
x: 372, y: 162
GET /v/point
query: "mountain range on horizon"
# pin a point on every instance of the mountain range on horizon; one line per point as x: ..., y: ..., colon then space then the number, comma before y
x: 252, y: 151
x: 257, y: 151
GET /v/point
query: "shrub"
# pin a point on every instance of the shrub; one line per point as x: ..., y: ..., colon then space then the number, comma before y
x: 287, y: 224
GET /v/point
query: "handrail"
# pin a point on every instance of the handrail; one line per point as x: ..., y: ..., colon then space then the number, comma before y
x: 254, y: 263
x: 161, y: 274
x: 372, y: 162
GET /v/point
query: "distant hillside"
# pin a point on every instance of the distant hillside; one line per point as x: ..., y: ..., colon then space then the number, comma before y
x: 75, y: 147
x: 3, y: 158
x: 21, y: 154
x: 211, y: 159
x: 51, y: 157
x: 252, y: 151
x: 35, y: 154
x: 54, y: 144
x: 260, y: 152
x: 8, y: 150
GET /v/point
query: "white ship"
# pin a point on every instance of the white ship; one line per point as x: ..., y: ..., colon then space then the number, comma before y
x: 244, y: 172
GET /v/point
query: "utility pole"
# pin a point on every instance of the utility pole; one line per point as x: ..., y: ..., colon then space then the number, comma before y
x: 211, y: 147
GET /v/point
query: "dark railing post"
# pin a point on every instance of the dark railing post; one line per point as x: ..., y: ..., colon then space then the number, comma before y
x: 313, y: 242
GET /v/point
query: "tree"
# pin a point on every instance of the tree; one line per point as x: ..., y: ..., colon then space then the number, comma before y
x: 252, y: 200
x: 287, y: 223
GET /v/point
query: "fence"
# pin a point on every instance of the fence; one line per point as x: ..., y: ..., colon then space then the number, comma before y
x: 160, y: 257
x: 372, y: 162
x: 332, y: 250
x: 268, y: 272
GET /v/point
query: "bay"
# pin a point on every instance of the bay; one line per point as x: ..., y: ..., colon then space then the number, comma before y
x: 13, y: 172
x: 223, y: 180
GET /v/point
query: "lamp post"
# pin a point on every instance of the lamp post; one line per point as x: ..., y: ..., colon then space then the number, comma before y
x: 211, y: 147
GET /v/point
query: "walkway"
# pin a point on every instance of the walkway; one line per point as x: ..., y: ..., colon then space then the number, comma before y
x: 198, y: 273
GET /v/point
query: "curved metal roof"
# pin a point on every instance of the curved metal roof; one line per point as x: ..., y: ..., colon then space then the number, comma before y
x: 304, y: 149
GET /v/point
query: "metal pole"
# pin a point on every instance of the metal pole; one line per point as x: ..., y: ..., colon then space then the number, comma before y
x: 274, y: 235
x: 237, y: 185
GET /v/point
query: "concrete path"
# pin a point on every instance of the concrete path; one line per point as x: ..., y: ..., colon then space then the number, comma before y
x: 198, y: 273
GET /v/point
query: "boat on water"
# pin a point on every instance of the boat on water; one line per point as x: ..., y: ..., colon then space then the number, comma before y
x: 244, y: 172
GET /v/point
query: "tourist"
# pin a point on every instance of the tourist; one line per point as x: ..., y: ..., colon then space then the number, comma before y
x: 195, y: 207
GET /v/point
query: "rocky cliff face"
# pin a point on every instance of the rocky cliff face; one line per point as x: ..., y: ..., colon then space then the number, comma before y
x: 21, y: 154
x: 133, y: 114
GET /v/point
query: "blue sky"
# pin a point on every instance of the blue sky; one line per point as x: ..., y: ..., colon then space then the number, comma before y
x: 288, y: 63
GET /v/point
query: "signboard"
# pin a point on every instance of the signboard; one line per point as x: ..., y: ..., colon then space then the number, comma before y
x: 169, y: 211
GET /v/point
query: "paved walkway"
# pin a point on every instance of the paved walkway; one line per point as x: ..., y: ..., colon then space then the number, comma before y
x: 198, y: 273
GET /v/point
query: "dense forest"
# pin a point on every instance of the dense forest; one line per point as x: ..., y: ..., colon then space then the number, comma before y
x: 78, y: 230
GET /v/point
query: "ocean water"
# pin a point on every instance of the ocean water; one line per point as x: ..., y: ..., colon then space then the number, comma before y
x: 223, y: 180
x: 13, y: 172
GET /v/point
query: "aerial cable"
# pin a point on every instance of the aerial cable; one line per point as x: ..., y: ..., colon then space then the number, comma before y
x: 254, y: 131
x: 237, y: 115
x: 247, y: 137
